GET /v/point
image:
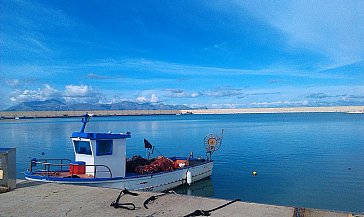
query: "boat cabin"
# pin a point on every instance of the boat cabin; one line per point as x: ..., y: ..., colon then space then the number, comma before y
x: 101, y: 155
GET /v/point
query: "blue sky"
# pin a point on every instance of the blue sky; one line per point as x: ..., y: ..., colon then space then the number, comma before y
x: 218, y: 54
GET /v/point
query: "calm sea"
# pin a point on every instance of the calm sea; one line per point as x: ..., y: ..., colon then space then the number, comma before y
x: 311, y: 160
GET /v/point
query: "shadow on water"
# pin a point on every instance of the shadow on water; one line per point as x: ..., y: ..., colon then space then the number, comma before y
x: 202, y: 188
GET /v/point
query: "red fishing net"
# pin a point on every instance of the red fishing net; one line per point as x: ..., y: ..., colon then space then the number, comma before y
x: 161, y: 164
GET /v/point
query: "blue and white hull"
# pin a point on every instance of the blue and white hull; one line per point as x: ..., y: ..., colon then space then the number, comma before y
x: 150, y: 182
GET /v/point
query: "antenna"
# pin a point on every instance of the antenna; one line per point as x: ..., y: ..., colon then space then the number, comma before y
x: 150, y: 148
x: 85, y: 119
x: 212, y: 143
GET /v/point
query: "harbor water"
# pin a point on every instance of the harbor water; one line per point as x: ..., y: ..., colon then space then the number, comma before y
x: 313, y: 160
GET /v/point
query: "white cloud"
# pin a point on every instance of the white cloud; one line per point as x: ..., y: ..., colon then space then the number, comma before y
x: 195, y: 95
x: 41, y: 94
x: 197, y: 71
x: 153, y: 99
x: 37, y: 45
x: 72, y: 93
x: 223, y: 92
x: 179, y: 93
x: 80, y: 94
x: 12, y: 83
x: 28, y: 95
x: 280, y: 103
x: 333, y: 28
x: 165, y: 68
x: 101, y: 77
x: 142, y: 99
x: 25, y: 21
x: 50, y: 91
x: 78, y: 91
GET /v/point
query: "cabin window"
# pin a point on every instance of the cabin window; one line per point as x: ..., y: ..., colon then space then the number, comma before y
x: 82, y: 147
x: 103, y: 147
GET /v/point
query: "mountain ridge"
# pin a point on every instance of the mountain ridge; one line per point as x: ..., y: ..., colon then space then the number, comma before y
x: 56, y: 105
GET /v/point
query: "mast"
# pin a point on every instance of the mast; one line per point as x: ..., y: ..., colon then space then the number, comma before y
x: 84, y: 120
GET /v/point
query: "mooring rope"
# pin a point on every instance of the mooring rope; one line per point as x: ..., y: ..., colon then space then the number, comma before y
x: 154, y: 197
x: 128, y: 206
x: 299, y: 212
x: 201, y: 212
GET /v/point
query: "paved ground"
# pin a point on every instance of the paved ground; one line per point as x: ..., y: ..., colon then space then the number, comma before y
x: 32, y: 199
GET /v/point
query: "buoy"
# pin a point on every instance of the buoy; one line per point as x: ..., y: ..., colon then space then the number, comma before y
x: 189, y: 178
x: 254, y: 173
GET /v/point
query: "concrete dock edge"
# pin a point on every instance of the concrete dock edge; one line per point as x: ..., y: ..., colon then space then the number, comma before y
x: 50, y: 199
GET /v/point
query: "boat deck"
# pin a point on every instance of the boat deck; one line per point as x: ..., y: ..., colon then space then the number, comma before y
x: 63, y: 174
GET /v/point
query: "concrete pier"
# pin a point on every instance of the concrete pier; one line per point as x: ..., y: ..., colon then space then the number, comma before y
x: 35, y: 199
x: 63, y: 114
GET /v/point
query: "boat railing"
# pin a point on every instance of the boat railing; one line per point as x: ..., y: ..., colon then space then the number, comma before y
x: 49, y: 167
x: 104, y: 166
x: 61, y: 161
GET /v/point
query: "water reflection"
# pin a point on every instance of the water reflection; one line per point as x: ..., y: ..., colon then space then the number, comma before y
x: 202, y: 188
x: 308, y: 152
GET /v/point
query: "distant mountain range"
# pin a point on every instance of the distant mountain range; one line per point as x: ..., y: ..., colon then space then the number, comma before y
x: 56, y: 105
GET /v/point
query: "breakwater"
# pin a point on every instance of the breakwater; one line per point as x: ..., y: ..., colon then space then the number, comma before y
x: 59, y: 114
x: 343, y: 109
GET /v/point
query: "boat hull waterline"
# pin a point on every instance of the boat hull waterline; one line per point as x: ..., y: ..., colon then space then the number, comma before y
x: 151, y: 182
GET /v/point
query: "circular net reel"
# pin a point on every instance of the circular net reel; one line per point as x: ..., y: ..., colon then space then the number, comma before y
x: 212, y: 143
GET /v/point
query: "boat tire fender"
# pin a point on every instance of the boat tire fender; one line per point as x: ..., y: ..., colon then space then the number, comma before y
x: 189, y: 177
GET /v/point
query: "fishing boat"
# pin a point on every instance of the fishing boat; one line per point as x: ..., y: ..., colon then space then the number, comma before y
x: 100, y: 160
